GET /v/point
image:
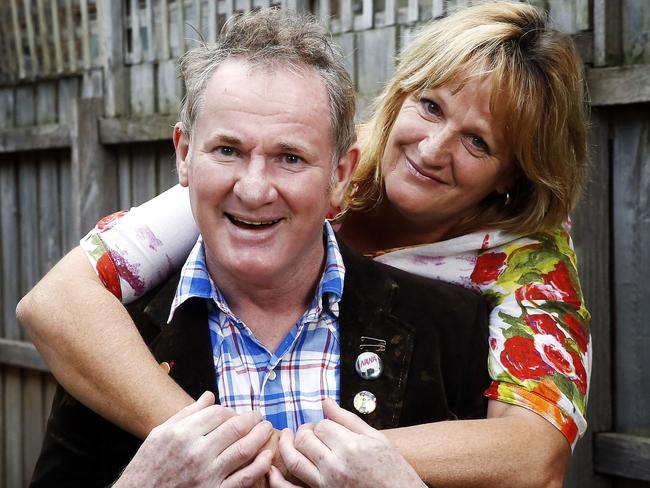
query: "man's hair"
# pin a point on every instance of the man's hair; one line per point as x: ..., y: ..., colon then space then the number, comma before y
x: 274, y: 39
x: 537, y: 90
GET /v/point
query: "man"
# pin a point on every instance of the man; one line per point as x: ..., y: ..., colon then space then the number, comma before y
x: 270, y: 311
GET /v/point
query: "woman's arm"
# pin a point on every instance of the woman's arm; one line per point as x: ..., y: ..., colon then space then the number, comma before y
x: 94, y: 349
x: 513, y: 447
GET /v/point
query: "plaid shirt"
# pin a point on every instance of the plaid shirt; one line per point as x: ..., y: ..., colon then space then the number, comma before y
x: 286, y: 385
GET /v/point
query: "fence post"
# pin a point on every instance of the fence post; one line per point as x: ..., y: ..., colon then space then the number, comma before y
x: 94, y: 170
x: 111, y: 27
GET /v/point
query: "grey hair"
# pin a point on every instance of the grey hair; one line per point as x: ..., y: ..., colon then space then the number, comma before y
x: 270, y: 36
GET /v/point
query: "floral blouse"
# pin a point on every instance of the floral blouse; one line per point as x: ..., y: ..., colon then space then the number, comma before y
x: 540, y: 346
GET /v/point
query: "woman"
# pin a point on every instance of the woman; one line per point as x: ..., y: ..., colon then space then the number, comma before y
x: 470, y: 165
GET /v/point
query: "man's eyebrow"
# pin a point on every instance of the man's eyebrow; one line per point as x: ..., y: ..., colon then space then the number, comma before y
x: 227, y: 139
x: 292, y: 148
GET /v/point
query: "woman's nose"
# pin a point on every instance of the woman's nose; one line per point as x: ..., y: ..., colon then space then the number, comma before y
x: 254, y: 186
x: 435, y: 149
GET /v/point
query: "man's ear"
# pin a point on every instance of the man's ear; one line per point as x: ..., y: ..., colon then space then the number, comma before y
x: 342, y: 174
x: 182, y: 146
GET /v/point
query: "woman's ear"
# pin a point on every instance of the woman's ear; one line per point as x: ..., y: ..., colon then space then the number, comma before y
x: 182, y: 147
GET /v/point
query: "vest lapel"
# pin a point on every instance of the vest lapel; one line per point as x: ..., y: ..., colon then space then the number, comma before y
x: 365, y: 311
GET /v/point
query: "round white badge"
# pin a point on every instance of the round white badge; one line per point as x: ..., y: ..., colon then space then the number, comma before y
x: 369, y: 366
x: 365, y: 402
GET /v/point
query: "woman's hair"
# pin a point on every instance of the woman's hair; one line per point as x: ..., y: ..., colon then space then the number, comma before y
x: 537, y: 80
x: 270, y: 39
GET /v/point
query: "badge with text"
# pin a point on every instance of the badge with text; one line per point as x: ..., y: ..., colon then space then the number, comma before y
x: 369, y: 365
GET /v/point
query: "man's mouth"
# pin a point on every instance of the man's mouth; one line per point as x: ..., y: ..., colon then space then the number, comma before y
x: 251, y: 223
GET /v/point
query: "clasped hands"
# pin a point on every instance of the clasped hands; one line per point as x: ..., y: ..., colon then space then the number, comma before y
x: 207, y: 445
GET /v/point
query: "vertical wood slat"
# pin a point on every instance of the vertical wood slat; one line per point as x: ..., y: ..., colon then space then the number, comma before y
x: 591, y: 233
x: 212, y: 21
x: 367, y: 16
x: 164, y: 30
x: 56, y: 36
x: 390, y: 12
x: 85, y: 34
x: 31, y: 45
x: 71, y: 37
x: 110, y: 20
x: 68, y: 92
x: 324, y: 11
x: 43, y: 38
x: 151, y: 40
x: 136, y: 45
x: 180, y: 4
x: 18, y: 40
x: 438, y: 8
x: 413, y: 11
x: 346, y: 15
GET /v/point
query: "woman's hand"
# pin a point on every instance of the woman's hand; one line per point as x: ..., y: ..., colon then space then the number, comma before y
x: 342, y: 451
x: 203, y: 445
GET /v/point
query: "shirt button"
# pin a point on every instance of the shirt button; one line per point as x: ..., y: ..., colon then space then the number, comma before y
x: 272, y: 375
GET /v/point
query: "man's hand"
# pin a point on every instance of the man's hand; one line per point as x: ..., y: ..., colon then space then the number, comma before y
x: 342, y: 451
x: 202, y: 445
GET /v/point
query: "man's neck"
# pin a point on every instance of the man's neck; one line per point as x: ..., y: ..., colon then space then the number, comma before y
x: 271, y: 306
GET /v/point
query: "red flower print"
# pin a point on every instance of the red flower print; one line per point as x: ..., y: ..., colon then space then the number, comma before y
x: 522, y: 360
x: 544, y: 324
x: 489, y: 267
x: 493, y: 343
x: 108, y: 275
x: 110, y: 220
x: 581, y: 374
x: 578, y: 331
x: 555, y: 355
x: 557, y: 286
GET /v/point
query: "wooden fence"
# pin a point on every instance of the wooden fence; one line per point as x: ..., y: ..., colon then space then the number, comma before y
x: 88, y: 95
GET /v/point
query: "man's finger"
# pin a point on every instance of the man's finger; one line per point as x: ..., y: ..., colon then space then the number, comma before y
x: 277, y: 479
x: 347, y: 419
x: 249, y: 475
x: 296, y: 462
x: 205, y: 421
x: 242, y: 450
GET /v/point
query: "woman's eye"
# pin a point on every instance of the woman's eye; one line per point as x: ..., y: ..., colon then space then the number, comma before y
x: 430, y: 107
x: 479, y: 144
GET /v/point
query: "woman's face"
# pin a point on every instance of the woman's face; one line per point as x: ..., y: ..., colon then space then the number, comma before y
x: 445, y: 153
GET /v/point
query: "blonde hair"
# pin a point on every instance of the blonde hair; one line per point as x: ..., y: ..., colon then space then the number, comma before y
x: 536, y: 71
x: 269, y: 37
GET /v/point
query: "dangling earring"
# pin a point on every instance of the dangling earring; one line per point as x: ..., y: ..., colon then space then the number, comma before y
x: 507, y: 200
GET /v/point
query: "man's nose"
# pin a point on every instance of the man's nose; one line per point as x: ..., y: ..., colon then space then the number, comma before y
x: 436, y: 148
x: 254, y: 186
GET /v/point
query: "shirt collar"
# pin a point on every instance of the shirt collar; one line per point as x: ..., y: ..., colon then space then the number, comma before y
x: 196, y: 282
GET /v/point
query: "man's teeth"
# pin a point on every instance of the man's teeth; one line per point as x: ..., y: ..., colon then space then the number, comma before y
x: 250, y: 222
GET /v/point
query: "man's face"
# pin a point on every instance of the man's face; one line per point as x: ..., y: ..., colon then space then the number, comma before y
x: 259, y: 172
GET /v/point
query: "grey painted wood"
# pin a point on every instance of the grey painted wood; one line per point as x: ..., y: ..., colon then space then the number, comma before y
x: 142, y: 89
x: 607, y: 32
x: 631, y: 231
x: 94, y: 183
x: 43, y: 43
x: 635, y: 31
x: 125, y: 198
x: 69, y: 238
x: 68, y: 91
x: 34, y: 138
x: 6, y: 107
x: 619, y: 85
x: 591, y: 234
x: 376, y: 51
x: 170, y: 88
x: 112, y: 45
x: 166, y: 166
x: 143, y: 173
x: 13, y: 419
x: 623, y: 455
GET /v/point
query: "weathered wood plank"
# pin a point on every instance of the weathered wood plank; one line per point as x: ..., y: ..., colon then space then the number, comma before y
x: 631, y: 232
x: 150, y: 128
x: 125, y: 199
x: 13, y: 423
x: 94, y: 178
x: 170, y: 88
x: 68, y: 92
x: 10, y: 249
x: 136, y: 41
x: 141, y: 87
x: 68, y: 238
x: 85, y: 34
x: 31, y: 42
x: 56, y: 36
x: 166, y: 166
x: 620, y: 85
x: 164, y: 28
x: 112, y: 48
x: 346, y: 15
x: 71, y: 37
x: 43, y: 38
x: 34, y: 138
x: 635, y: 31
x: 591, y: 235
x: 622, y: 455
x: 18, y: 40
x: 607, y: 32
x: 375, y: 58
x: 143, y: 173
x: 33, y: 431
x: 7, y: 97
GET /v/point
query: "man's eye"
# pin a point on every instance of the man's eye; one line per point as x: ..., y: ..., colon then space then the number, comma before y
x: 430, y: 107
x: 226, y: 150
x: 292, y: 158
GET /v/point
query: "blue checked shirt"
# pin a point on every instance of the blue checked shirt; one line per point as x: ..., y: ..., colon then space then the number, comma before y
x: 286, y: 385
